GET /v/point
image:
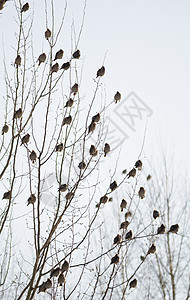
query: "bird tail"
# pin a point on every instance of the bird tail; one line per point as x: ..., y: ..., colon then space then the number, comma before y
x: 105, y: 155
x: 121, y: 209
x: 61, y: 284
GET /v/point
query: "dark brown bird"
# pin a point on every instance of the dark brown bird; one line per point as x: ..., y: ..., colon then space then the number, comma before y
x: 63, y: 187
x: 47, y: 34
x: 155, y: 214
x: 148, y: 177
x: 65, y: 266
x: 141, y: 192
x: 42, y: 288
x: 76, y: 54
x: 48, y: 284
x: 2, y: 3
x: 106, y: 149
x: 69, y: 103
x: 142, y: 258
x: 117, y: 97
x: 59, y: 54
x: 123, y: 204
x: 41, y: 58
x: 117, y: 239
x: 59, y: 147
x: 66, y: 66
x: 138, y: 164
x: 33, y: 156
x: 69, y: 195
x: 110, y: 199
x: 7, y: 195
x: 96, y: 118
x: 5, y: 129
x: 104, y: 199
x: 25, y: 7
x: 25, y: 139
x: 75, y: 88
x: 18, y: 60
x: 129, y: 235
x: 67, y: 120
x: 132, y: 173
x: 174, y: 228
x: 93, y: 151
x: 113, y: 185
x: 115, y: 259
x: 31, y: 199
x: 161, y: 229
x: 124, y: 171
x: 133, y: 283
x: 18, y: 114
x: 91, y: 127
x: 55, y: 68
x: 82, y: 165
x: 55, y: 272
x: 128, y: 214
x: 152, y: 249
x: 124, y: 225
x: 100, y: 72
x: 61, y: 279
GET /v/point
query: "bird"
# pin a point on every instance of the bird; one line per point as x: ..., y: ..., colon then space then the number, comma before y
x: 82, y: 165
x: 123, y: 204
x: 124, y: 171
x: 75, y: 88
x: 104, y: 199
x: 25, y: 7
x: 5, y: 129
x: 106, y: 149
x: 117, y: 97
x: 96, y: 118
x: 174, y: 228
x: 61, y: 279
x: 48, y: 284
x: 128, y: 214
x: 33, y: 156
x: 69, y: 103
x: 91, y: 127
x: 67, y: 120
x: 42, y: 287
x: 161, y: 229
x: 100, y: 72
x: 55, y: 272
x: 7, y: 195
x: 133, y: 283
x: 66, y: 66
x: 65, y: 266
x: 155, y: 214
x: 142, y: 258
x: 69, y: 195
x: 110, y: 199
x: 47, y: 34
x: 2, y: 3
x: 129, y: 235
x: 31, y: 199
x: 93, y: 151
x: 59, y: 54
x: 18, y: 60
x: 148, y: 177
x: 59, y: 147
x: 55, y: 68
x: 18, y: 114
x: 124, y: 225
x: 25, y: 139
x: 132, y: 173
x: 152, y: 249
x: 63, y: 187
x: 141, y: 192
x: 117, y: 239
x: 76, y: 54
x: 41, y: 58
x: 138, y: 164
x: 115, y: 259
x: 113, y: 185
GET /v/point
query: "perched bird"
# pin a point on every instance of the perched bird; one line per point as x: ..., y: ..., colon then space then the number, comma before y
x: 110, y: 199
x: 7, y: 195
x: 117, y: 97
x: 117, y: 239
x: 55, y: 272
x: 129, y: 235
x: 41, y: 58
x: 25, y: 139
x: 96, y: 118
x: 25, y: 7
x: 133, y: 283
x: 123, y: 204
x: 61, y: 279
x: 69, y: 103
x: 2, y: 3
x: 82, y: 165
x: 66, y: 66
x: 148, y: 177
x: 48, y: 284
x: 59, y: 147
x: 55, y: 68
x: 106, y: 149
x: 141, y: 192
x: 91, y: 127
x: 128, y: 214
x: 5, y: 129
x: 76, y: 54
x: 124, y: 225
x: 18, y: 114
x: 31, y: 199
x: 174, y: 228
x: 115, y: 259
x: 75, y: 88
x: 142, y: 258
x: 18, y: 60
x: 152, y: 249
x: 65, y: 266
x: 132, y: 173
x: 124, y: 171
x: 59, y: 54
x: 67, y: 120
x: 100, y: 72
x: 42, y: 288
x: 155, y: 214
x: 113, y: 185
x: 33, y: 156
x: 69, y: 195
x: 161, y: 229
x: 63, y: 187
x: 47, y: 34
x: 93, y: 151
x: 138, y: 164
x: 104, y: 199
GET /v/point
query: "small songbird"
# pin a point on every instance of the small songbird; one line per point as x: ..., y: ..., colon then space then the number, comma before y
x: 113, y: 185
x: 5, y: 129
x: 47, y: 34
x: 59, y: 147
x: 100, y: 72
x: 161, y: 229
x: 63, y: 187
x: 123, y: 204
x: 25, y: 7
x: 2, y: 3
x: 65, y: 266
x: 31, y: 199
x: 124, y: 171
x: 115, y: 259
x: 106, y: 149
x: 69, y: 195
x: 104, y: 199
x: 110, y: 199
x: 25, y: 139
x: 76, y: 54
x: 82, y: 165
x: 117, y: 97
x: 59, y: 54
x: 7, y: 195
x: 91, y: 127
x: 155, y: 214
x: 18, y: 60
x: 132, y: 173
x: 55, y: 272
x: 124, y: 225
x: 67, y: 120
x: 129, y: 235
x: 61, y: 279
x: 42, y: 288
x: 93, y: 151
x: 65, y: 66
x: 41, y: 58
x: 55, y: 68
x: 33, y: 156
x: 18, y: 114
x: 174, y: 228
x: 142, y: 258
x: 138, y: 164
x: 148, y: 177
x: 75, y: 88
x: 96, y: 118
x: 69, y: 103
x: 48, y: 284
x: 152, y: 249
x: 133, y: 283
x: 141, y: 192
x: 128, y: 214
x: 117, y: 239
